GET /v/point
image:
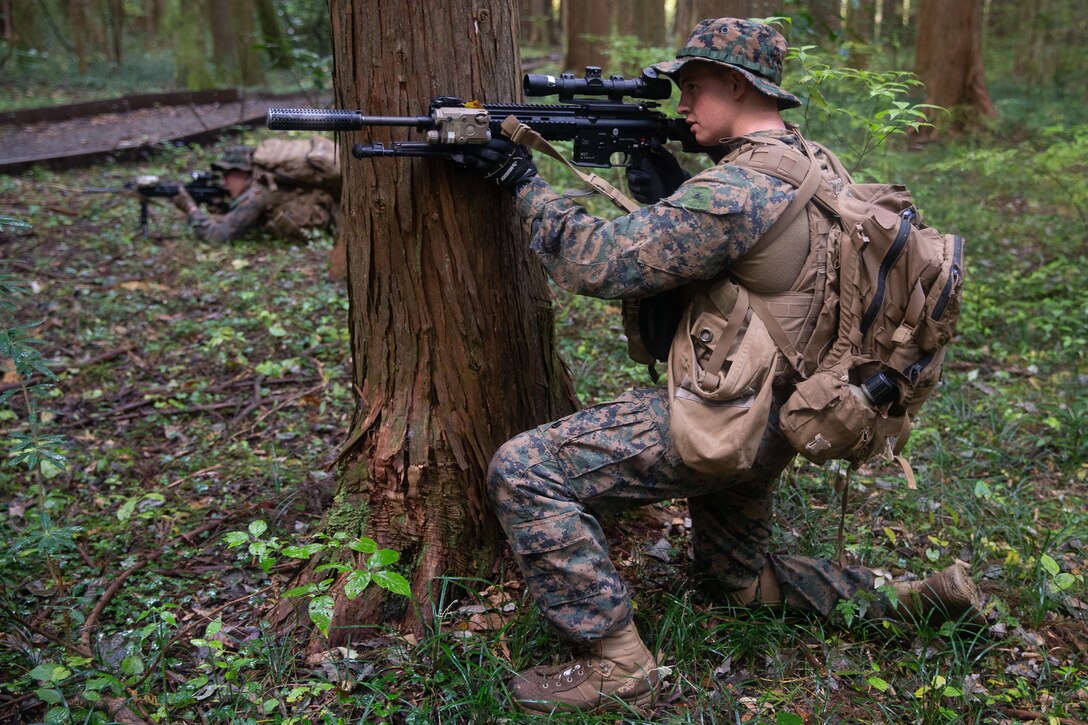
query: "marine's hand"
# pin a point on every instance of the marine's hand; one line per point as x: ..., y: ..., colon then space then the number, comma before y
x: 500, y: 160
x: 183, y: 201
x: 653, y: 174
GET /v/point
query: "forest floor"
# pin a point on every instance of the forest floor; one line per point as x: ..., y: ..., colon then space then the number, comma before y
x: 202, y: 392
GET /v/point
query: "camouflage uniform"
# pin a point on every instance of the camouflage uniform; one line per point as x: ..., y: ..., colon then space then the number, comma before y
x: 283, y: 210
x: 548, y: 485
x: 248, y: 210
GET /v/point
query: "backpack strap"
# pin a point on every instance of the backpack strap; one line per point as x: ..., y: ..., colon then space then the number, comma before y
x: 805, y: 190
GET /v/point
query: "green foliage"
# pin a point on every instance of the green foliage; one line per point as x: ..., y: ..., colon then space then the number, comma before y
x: 854, y: 111
x: 357, y: 577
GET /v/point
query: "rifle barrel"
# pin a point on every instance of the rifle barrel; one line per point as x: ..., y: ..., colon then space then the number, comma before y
x: 322, y: 119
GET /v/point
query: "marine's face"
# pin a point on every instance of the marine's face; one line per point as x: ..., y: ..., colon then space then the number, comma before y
x: 235, y: 182
x: 708, y: 100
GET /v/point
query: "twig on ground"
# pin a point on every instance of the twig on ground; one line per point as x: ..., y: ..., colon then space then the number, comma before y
x: 92, y: 619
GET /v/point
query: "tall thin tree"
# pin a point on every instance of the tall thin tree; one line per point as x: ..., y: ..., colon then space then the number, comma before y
x: 948, y: 60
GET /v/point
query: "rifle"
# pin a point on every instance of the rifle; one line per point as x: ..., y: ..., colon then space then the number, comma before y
x: 606, y: 131
x: 204, y: 188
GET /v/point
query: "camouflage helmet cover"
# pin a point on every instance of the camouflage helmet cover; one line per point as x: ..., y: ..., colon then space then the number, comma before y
x: 235, y: 158
x: 756, y: 50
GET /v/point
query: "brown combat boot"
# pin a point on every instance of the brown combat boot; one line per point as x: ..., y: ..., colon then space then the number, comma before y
x: 619, y: 673
x: 949, y: 594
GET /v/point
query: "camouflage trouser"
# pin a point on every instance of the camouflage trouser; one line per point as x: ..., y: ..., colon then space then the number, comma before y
x: 549, y: 484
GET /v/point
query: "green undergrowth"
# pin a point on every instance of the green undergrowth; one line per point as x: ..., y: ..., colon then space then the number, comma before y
x: 201, y: 388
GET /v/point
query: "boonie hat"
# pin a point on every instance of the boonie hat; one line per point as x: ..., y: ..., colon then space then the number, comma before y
x: 756, y: 50
x: 235, y: 158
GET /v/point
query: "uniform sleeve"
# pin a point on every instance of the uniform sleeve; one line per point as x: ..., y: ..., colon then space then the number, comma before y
x: 710, y: 222
x: 246, y: 212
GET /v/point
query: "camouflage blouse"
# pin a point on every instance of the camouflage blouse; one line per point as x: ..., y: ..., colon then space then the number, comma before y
x: 711, y: 221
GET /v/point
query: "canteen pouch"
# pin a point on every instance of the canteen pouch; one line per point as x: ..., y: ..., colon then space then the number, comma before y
x: 721, y: 370
x: 828, y: 417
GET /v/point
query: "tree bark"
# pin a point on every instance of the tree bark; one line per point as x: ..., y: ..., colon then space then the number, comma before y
x: 585, y: 22
x: 949, y: 61
x: 826, y: 17
x: 450, y: 313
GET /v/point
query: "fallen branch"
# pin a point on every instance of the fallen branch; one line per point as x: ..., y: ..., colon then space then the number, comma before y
x: 92, y: 619
x: 1034, y: 715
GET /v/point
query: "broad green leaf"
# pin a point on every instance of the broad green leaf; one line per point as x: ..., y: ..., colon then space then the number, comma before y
x: 382, y: 557
x: 878, y: 684
x: 132, y: 665
x: 50, y: 673
x: 125, y: 512
x: 321, y: 612
x: 394, y: 582
x: 258, y: 527
x: 1048, y: 563
x: 357, y: 581
x: 49, y: 695
x: 303, y: 552
x: 363, y: 545
x: 1064, y: 580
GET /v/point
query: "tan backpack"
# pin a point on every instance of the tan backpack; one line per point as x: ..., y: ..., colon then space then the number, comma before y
x: 286, y: 163
x: 890, y: 308
x: 888, y: 300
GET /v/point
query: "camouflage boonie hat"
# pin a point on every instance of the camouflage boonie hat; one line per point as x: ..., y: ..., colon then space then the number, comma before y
x: 754, y: 49
x: 235, y: 158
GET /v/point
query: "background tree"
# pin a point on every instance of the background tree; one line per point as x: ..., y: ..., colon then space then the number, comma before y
x: 234, y: 53
x: 277, y: 45
x: 539, y: 24
x: 451, y: 320
x: 645, y: 20
x: 948, y: 59
x: 585, y: 22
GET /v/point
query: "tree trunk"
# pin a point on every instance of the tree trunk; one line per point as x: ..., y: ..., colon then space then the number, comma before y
x: 585, y: 22
x: 644, y: 19
x: 949, y: 61
x: 191, y: 55
x: 536, y: 22
x: 115, y: 24
x: 451, y: 319
x: 250, y: 70
x: 826, y: 17
x: 76, y: 21
x: 277, y: 46
x: 860, y: 31
x: 224, y: 36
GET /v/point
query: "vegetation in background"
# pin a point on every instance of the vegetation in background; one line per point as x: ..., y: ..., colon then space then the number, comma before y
x: 201, y: 389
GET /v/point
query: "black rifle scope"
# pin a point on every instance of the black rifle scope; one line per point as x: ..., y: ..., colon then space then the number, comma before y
x: 649, y: 86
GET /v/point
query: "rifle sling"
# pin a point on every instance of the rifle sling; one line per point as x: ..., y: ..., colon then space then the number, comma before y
x: 521, y: 133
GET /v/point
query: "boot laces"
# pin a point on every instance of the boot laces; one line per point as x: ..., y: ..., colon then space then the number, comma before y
x: 567, y: 674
